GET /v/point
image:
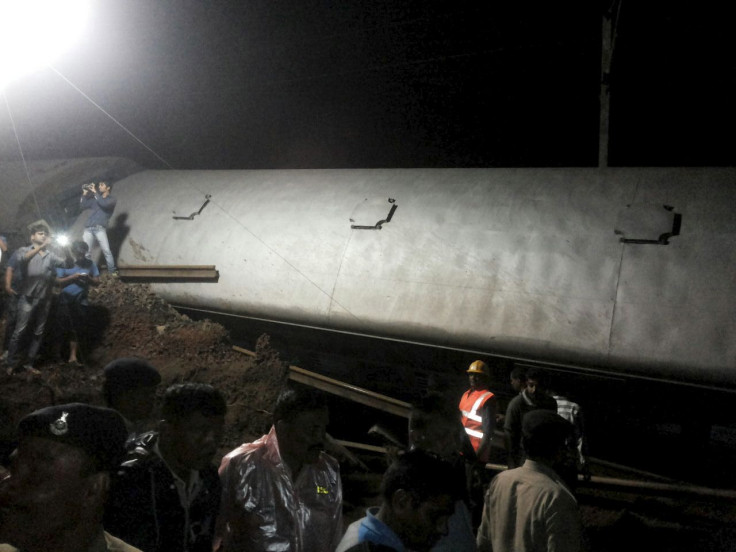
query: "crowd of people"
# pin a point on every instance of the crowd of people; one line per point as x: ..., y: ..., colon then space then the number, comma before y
x: 32, y: 272
x: 92, y: 478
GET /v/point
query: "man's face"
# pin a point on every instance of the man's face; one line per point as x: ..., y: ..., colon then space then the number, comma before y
x: 534, y: 387
x: 517, y: 384
x: 136, y: 404
x: 477, y: 381
x: 42, y: 493
x: 102, y: 187
x: 39, y: 237
x: 79, y: 255
x: 196, y: 439
x: 303, y: 438
x: 424, y: 525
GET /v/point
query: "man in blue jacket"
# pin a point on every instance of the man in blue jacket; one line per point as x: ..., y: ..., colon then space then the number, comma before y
x: 100, y: 200
x: 418, y: 495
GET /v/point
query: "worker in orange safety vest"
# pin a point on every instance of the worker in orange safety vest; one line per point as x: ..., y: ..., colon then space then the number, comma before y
x: 478, y: 408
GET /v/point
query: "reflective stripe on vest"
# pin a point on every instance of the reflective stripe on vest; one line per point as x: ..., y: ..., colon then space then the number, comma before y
x: 473, y: 433
x: 471, y: 420
x: 473, y: 414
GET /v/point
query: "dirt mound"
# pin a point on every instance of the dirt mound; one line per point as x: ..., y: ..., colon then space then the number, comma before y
x: 130, y: 320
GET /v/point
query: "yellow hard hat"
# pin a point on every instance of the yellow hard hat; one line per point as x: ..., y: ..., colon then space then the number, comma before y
x: 478, y: 367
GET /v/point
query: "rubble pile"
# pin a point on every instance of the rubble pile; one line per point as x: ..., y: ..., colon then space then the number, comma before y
x: 137, y: 322
x: 130, y: 320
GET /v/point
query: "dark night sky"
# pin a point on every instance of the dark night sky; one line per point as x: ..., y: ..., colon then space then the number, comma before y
x: 382, y: 83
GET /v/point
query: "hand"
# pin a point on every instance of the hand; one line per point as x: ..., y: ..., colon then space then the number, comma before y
x: 10, y: 291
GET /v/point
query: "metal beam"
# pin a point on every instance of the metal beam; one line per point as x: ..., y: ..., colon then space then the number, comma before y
x: 351, y: 392
x: 169, y: 272
x: 342, y: 389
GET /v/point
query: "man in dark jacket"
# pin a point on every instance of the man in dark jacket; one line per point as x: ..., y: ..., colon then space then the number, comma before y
x: 166, y: 496
x: 533, y: 397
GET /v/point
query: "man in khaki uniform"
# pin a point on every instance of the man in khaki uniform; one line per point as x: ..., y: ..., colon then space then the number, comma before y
x: 53, y: 495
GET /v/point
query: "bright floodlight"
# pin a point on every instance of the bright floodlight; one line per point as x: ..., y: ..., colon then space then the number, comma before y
x: 34, y: 32
x: 62, y: 240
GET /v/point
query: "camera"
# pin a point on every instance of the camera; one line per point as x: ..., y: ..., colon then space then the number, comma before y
x: 90, y: 186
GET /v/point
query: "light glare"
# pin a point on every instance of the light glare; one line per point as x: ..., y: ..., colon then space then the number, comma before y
x: 35, y: 32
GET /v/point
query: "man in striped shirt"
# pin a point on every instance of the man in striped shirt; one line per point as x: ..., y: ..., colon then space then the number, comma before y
x: 572, y: 412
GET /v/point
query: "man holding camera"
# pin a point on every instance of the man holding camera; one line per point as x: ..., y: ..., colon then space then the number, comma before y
x: 38, y: 270
x: 98, y: 198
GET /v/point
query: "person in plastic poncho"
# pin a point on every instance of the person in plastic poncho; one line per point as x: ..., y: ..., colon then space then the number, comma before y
x: 281, y: 492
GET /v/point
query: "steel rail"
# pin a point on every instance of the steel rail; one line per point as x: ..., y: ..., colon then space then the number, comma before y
x: 351, y: 392
x: 168, y: 272
x: 342, y: 389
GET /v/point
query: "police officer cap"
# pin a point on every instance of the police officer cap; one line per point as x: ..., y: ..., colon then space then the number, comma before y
x: 99, y: 432
x: 130, y: 373
x: 544, y: 425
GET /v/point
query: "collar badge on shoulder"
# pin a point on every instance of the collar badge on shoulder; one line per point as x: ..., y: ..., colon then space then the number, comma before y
x: 60, y: 426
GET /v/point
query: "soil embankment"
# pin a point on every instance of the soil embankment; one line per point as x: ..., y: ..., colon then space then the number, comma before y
x: 130, y: 320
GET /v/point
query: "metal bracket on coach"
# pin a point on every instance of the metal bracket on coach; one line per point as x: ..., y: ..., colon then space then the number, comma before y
x: 648, y: 224
x: 191, y: 217
x: 371, y: 210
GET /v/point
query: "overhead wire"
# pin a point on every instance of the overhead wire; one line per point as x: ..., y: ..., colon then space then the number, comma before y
x: 113, y: 119
x: 22, y: 155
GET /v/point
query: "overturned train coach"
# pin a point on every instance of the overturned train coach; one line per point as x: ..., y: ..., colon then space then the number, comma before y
x: 622, y: 272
